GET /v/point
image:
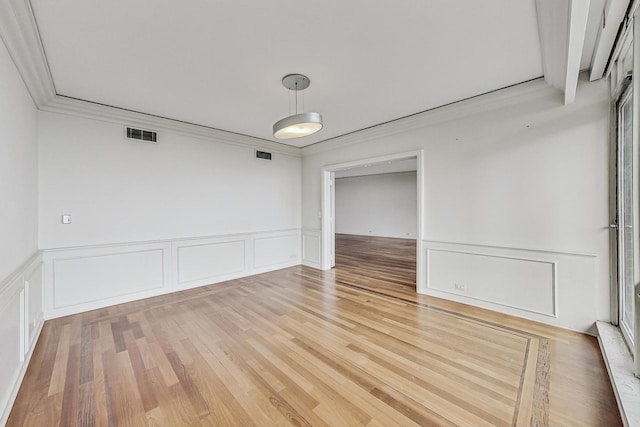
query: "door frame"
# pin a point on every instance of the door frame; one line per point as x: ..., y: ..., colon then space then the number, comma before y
x: 622, y: 96
x: 625, y: 85
x: 327, y: 192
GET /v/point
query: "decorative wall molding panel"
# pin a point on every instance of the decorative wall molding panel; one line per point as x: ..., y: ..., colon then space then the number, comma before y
x: 21, y: 320
x: 203, y: 261
x: 271, y: 251
x: 311, y: 248
x: 86, y: 278
x: 524, y: 282
x: 83, y: 278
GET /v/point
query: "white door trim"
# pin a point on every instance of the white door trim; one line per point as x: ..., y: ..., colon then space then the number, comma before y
x: 326, y: 195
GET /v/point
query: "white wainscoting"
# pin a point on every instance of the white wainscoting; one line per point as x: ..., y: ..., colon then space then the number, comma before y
x: 205, y: 261
x: 82, y: 279
x: 525, y: 284
x: 547, y: 286
x: 270, y: 252
x: 33, y: 289
x: 21, y: 320
x: 86, y: 278
x: 311, y: 248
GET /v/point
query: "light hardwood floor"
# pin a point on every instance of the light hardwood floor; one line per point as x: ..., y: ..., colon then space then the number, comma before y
x: 305, y: 347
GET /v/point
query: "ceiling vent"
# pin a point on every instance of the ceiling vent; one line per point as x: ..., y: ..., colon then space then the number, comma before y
x: 140, y: 135
x: 263, y: 155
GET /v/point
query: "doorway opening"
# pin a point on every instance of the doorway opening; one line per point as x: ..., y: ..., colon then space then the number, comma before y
x: 328, y: 204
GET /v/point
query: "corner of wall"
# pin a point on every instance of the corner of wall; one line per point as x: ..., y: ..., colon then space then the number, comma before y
x: 22, y: 317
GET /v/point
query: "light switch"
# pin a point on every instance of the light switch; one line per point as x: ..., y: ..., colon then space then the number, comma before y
x: 66, y: 219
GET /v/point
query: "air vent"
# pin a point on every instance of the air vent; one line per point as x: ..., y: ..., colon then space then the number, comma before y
x: 263, y: 155
x: 141, y: 135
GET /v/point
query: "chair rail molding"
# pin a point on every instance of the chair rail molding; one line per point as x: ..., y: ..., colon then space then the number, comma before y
x: 79, y: 279
x: 543, y: 285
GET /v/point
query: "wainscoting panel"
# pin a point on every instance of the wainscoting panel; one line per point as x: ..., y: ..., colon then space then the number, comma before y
x: 206, y: 260
x: 525, y: 284
x: 33, y: 300
x: 10, y: 350
x: 21, y: 319
x: 547, y: 286
x: 273, y: 251
x: 311, y: 248
x: 87, y: 278
x: 96, y: 276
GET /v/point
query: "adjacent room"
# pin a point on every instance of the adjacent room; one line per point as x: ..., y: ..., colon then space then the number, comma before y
x: 376, y: 218
x: 320, y: 213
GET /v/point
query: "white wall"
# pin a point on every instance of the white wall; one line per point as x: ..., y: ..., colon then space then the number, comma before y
x: 513, y: 174
x: 18, y: 169
x: 148, y: 219
x: 377, y: 205
x: 20, y: 265
x: 118, y: 190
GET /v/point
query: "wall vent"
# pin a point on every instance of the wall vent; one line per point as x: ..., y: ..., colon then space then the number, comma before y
x: 263, y: 155
x: 140, y: 135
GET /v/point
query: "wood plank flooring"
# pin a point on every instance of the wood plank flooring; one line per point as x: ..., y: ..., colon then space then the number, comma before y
x: 304, y: 347
x: 379, y: 263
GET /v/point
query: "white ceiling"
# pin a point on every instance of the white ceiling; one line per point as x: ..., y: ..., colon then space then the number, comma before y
x: 219, y: 63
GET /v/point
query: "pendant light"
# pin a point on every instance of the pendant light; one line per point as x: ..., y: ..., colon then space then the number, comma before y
x: 300, y: 124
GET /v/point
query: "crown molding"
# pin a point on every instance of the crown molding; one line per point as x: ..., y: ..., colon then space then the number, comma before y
x: 495, y: 100
x: 79, y: 108
x: 19, y: 33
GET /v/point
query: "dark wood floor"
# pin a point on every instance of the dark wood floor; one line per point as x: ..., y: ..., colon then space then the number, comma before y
x: 304, y: 347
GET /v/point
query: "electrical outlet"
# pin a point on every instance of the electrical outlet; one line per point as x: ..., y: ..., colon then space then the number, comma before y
x: 459, y: 287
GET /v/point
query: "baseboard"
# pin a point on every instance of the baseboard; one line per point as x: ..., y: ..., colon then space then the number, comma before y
x: 131, y: 271
x: 21, y: 316
x: 553, y: 287
x: 15, y: 386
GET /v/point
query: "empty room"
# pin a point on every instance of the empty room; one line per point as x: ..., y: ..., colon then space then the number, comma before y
x: 319, y: 213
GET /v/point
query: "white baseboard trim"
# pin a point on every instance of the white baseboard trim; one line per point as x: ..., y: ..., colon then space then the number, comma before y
x: 315, y: 265
x: 15, y: 385
x: 80, y: 279
x: 21, y: 314
x: 548, y: 286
